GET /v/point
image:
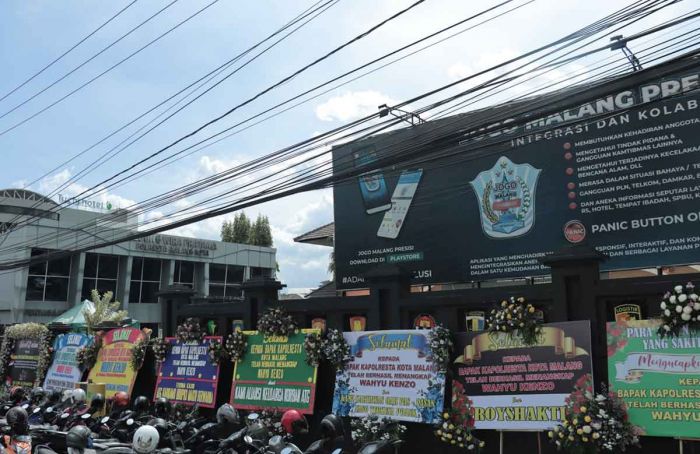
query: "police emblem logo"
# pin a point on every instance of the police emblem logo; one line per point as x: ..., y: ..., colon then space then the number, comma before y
x: 424, y: 321
x: 627, y: 312
x: 506, y: 196
x: 476, y: 321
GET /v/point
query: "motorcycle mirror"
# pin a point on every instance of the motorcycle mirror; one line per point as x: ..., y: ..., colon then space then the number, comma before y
x: 287, y: 451
x: 248, y: 439
x: 104, y: 420
x: 25, y: 406
x: 64, y: 415
x: 86, y: 416
x: 36, y: 410
x: 253, y: 417
x: 337, y: 451
x: 129, y: 421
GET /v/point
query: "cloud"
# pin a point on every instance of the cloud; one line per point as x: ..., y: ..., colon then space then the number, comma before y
x: 352, y: 105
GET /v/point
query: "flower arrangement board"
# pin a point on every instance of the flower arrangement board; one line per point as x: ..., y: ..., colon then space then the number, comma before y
x: 657, y: 378
x: 113, y: 366
x: 391, y: 375
x: 274, y: 374
x: 24, y: 362
x: 516, y: 387
x: 65, y: 372
x: 188, y: 375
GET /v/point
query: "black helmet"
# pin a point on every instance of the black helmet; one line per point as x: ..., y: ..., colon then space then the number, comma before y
x: 79, y: 437
x: 161, y: 426
x: 17, y: 393
x: 331, y: 426
x: 17, y: 419
x: 55, y: 396
x: 227, y: 414
x: 38, y: 395
x: 141, y: 404
x: 163, y: 407
x: 97, y: 402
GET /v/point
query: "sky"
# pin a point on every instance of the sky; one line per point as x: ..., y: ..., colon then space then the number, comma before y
x: 35, y: 32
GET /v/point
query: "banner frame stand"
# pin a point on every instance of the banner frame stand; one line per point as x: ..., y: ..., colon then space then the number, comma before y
x: 536, y: 432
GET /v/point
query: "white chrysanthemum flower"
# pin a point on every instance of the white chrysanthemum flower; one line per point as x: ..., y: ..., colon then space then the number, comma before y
x: 663, y: 304
x: 678, y: 288
x: 686, y: 317
x: 672, y: 299
x: 679, y: 309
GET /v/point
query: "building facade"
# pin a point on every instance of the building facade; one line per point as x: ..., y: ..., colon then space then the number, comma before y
x: 137, y: 272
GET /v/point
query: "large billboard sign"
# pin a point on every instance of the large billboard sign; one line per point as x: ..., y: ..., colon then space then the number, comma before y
x: 391, y: 375
x: 619, y: 171
x: 519, y: 387
x: 658, y: 379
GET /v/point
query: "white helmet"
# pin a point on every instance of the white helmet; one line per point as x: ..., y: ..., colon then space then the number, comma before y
x: 67, y: 394
x: 79, y: 395
x: 145, y: 440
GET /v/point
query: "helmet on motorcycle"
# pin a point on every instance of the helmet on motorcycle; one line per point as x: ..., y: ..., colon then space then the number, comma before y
x: 163, y: 407
x: 67, y: 395
x: 120, y: 400
x: 257, y: 431
x: 79, y: 395
x: 17, y: 419
x: 161, y: 426
x: 54, y: 396
x: 97, y: 402
x: 145, y: 440
x: 141, y: 404
x: 331, y: 426
x: 17, y: 393
x: 227, y: 414
x: 294, y: 422
x: 37, y: 395
x: 79, y: 437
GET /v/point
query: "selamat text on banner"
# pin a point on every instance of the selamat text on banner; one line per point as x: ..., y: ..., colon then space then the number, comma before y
x: 65, y: 372
x: 391, y: 375
x: 188, y: 375
x: 518, y: 387
x: 274, y: 374
x: 113, y: 366
x: 658, y: 379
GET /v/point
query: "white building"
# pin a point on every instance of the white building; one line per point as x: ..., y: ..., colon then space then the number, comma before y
x: 31, y: 224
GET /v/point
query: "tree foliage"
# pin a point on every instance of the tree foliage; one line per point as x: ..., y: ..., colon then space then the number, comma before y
x: 260, y: 232
x: 237, y: 231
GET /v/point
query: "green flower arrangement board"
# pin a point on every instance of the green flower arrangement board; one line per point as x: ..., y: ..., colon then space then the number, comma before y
x: 657, y: 378
x: 274, y: 374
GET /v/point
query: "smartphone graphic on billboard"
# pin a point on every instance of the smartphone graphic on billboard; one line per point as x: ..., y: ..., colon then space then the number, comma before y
x: 400, y: 203
x: 372, y: 184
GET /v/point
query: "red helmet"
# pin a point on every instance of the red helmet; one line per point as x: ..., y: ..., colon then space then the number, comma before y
x: 294, y: 422
x: 120, y: 399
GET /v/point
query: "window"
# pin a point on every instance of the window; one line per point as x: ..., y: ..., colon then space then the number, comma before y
x: 225, y: 280
x: 184, y: 273
x: 145, y: 280
x: 48, y: 281
x: 101, y: 273
x: 260, y: 272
